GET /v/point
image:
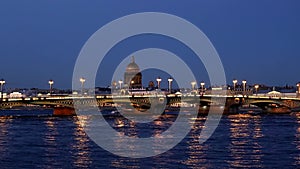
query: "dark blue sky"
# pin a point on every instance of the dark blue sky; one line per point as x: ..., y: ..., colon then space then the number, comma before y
x: 256, y: 40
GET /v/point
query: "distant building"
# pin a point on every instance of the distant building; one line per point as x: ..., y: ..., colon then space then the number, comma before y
x: 274, y: 94
x: 16, y: 95
x: 132, y: 75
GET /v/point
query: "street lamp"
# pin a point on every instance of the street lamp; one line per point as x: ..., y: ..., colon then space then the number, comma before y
x: 202, y: 87
x: 158, y: 82
x: 2, y: 82
x: 170, y: 80
x: 120, y: 83
x: 256, y: 89
x: 51, y: 82
x: 82, y: 80
x: 193, y: 85
x: 298, y: 89
x: 244, y: 86
x: 114, y: 84
x: 234, y: 84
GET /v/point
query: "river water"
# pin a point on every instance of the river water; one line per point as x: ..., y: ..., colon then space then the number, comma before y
x: 38, y: 140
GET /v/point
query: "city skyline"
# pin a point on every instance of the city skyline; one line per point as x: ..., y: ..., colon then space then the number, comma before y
x: 256, y: 40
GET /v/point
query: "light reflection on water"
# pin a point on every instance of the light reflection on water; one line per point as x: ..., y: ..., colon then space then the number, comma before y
x: 297, y: 140
x: 244, y: 147
x: 196, y: 153
x: 81, y: 144
x: 4, y: 136
x: 240, y: 141
x: 50, y: 139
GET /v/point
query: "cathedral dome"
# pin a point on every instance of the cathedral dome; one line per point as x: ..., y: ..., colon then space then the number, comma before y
x: 132, y: 75
x: 132, y: 66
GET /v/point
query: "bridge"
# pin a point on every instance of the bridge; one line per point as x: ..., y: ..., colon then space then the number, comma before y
x: 63, y: 104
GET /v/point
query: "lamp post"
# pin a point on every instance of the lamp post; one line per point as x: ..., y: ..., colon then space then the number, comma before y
x: 120, y: 83
x: 114, y: 84
x: 244, y: 86
x: 193, y: 85
x: 82, y: 80
x: 158, y: 82
x: 234, y: 84
x: 170, y: 80
x: 51, y: 82
x: 202, y: 87
x: 256, y: 88
x: 2, y: 82
x: 298, y: 89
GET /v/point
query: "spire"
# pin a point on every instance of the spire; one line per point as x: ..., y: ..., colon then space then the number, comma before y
x: 132, y: 59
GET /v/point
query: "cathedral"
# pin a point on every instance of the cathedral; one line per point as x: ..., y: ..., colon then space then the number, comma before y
x: 133, y: 76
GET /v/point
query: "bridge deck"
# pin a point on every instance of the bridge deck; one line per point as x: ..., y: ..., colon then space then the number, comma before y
x: 227, y: 101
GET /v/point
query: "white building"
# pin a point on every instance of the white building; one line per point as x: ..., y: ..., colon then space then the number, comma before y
x: 15, y: 95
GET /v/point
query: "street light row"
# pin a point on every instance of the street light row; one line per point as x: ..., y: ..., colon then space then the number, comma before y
x: 244, y: 82
x: 51, y: 82
x: 158, y: 79
x: 170, y: 80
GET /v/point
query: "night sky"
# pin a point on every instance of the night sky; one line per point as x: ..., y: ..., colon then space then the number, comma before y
x: 256, y: 40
